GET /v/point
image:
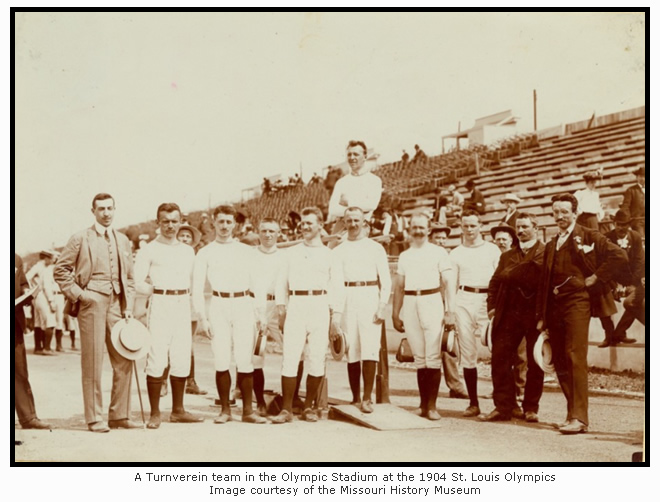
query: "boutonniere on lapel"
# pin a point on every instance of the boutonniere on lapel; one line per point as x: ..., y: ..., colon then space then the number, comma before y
x: 623, y: 243
x: 583, y: 247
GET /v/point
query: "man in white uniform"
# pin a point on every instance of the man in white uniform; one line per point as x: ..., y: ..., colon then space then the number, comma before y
x: 474, y: 261
x: 360, y: 188
x: 227, y: 264
x: 359, y: 268
x: 163, y: 272
x: 417, y: 297
x: 303, y: 298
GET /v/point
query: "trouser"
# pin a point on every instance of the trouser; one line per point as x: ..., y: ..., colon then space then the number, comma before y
x: 234, y: 332
x: 23, y: 398
x: 511, y: 329
x: 362, y: 334
x: 568, y: 325
x: 450, y: 369
x: 422, y: 317
x: 471, y: 322
x: 96, y: 319
x: 169, y: 324
x: 308, y: 319
x: 520, y: 367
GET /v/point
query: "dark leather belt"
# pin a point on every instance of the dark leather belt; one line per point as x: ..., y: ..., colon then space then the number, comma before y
x: 58, y: 293
x: 270, y: 298
x: 358, y: 284
x: 238, y: 294
x: 171, y: 291
x: 309, y: 292
x: 470, y: 289
x: 421, y: 292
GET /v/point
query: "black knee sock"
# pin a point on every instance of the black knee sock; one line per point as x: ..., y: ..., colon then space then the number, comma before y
x: 178, y: 388
x: 312, y: 390
x: 223, y: 384
x: 48, y: 336
x: 58, y: 339
x: 244, y: 381
x: 470, y: 375
x: 289, y: 386
x: 354, y: 380
x: 153, y: 390
x: 299, y: 376
x: 421, y: 385
x: 191, y: 377
x: 38, y: 339
x: 259, y: 382
x: 433, y: 377
x: 369, y: 375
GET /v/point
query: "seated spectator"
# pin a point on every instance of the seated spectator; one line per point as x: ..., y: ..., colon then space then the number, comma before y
x: 419, y: 154
x: 475, y: 200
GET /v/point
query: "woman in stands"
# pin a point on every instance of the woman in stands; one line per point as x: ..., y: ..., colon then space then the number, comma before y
x: 590, y: 212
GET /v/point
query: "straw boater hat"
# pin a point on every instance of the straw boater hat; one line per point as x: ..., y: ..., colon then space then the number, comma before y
x: 450, y: 342
x: 513, y: 197
x: 197, y: 235
x: 338, y: 347
x: 486, y: 336
x: 543, y: 353
x: 130, y: 338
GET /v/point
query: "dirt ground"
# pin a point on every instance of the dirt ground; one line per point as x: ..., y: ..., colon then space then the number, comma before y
x: 616, y: 430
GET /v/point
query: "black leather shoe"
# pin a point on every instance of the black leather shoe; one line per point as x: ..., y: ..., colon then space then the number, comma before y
x: 604, y: 343
x: 495, y: 416
x: 625, y: 339
x: 124, y: 423
x: 35, y: 423
x: 458, y: 395
x: 517, y: 413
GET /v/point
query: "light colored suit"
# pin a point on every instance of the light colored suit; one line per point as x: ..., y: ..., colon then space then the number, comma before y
x: 100, y: 306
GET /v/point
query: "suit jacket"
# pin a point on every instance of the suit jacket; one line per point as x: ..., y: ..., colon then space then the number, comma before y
x: 603, y: 259
x: 75, y: 265
x: 511, y: 220
x: 20, y: 285
x: 634, y: 202
x: 632, y: 275
x: 476, y: 202
x: 513, y: 287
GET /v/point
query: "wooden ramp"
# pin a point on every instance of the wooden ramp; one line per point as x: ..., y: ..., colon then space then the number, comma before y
x: 386, y: 417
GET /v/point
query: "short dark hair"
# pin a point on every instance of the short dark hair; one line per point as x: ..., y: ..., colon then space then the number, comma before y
x: 439, y: 231
x: 167, y: 207
x: 229, y: 210
x: 471, y: 212
x: 354, y: 208
x: 566, y: 197
x: 269, y: 220
x: 102, y: 196
x: 528, y: 216
x: 313, y: 210
x: 470, y: 183
x: 353, y: 143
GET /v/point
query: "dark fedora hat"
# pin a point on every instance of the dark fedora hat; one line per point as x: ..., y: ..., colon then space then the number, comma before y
x: 503, y: 227
x: 622, y: 217
x: 436, y: 227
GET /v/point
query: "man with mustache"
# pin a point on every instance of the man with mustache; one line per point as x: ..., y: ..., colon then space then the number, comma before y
x: 474, y: 262
x: 361, y: 265
x: 360, y: 188
x: 574, y: 261
x: 512, y: 308
x: 232, y: 318
x: 418, y: 300
x: 303, y: 296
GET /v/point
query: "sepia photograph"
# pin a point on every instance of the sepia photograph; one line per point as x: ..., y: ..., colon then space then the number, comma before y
x: 330, y: 237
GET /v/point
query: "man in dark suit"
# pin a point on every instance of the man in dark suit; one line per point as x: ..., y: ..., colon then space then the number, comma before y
x: 512, y: 308
x: 23, y: 398
x: 95, y: 272
x: 475, y: 199
x: 634, y: 276
x: 575, y: 261
x: 634, y: 202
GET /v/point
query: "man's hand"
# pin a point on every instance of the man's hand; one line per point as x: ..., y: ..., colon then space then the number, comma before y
x: 590, y: 281
x: 450, y: 318
x: 379, y: 316
x: 84, y: 298
x: 540, y: 326
x: 398, y: 324
x: 335, y: 326
x: 491, y: 313
x: 204, y: 329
